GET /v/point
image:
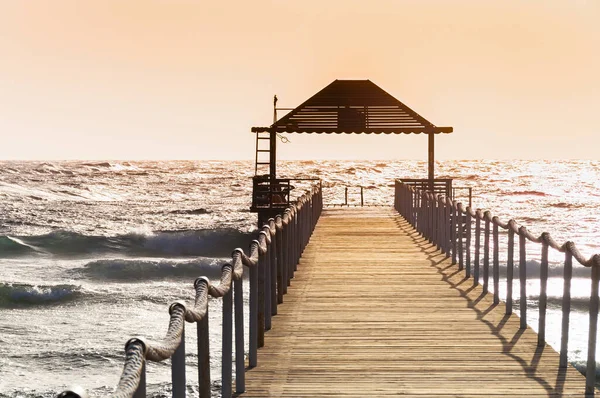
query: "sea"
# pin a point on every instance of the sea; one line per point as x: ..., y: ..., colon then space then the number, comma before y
x: 93, y: 253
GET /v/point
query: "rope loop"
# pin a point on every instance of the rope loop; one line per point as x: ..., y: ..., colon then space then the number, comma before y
x: 176, y: 305
x: 512, y: 225
x: 499, y: 222
x: 479, y: 214
x: 487, y: 216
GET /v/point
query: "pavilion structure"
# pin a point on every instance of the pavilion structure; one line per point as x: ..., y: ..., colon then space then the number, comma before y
x: 342, y: 107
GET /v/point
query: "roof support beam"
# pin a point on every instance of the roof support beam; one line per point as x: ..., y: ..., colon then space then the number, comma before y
x: 431, y: 159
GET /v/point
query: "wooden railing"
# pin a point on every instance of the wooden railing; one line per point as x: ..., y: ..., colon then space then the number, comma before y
x: 448, y: 225
x: 271, y: 260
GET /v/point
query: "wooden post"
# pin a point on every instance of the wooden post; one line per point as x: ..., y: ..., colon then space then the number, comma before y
x: 593, y: 330
x: 486, y: 253
x: 431, y: 159
x: 477, y: 248
x: 453, y: 234
x: 240, y: 371
x: 204, y: 385
x: 281, y: 284
x: 510, y: 270
x: 226, y: 343
x: 543, y: 295
x: 178, y: 362
x: 273, y: 275
x: 267, y: 275
x: 254, y: 315
x: 140, y: 392
x: 496, y: 263
x: 566, y: 309
x: 468, y: 244
x: 261, y: 299
x: 523, y: 278
x: 459, y: 237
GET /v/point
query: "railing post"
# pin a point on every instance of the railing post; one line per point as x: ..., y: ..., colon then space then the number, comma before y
x: 254, y: 320
x: 566, y: 307
x: 268, y: 284
x: 240, y: 363
x: 261, y: 297
x: 441, y: 226
x: 446, y: 224
x: 203, y: 351
x: 287, y: 248
x: 140, y: 392
x: 362, y: 198
x: 430, y: 218
x: 486, y: 253
x: 510, y: 269
x: 296, y: 256
x: 178, y: 364
x: 468, y: 244
x: 543, y: 292
x: 477, y: 247
x: 434, y: 220
x: 590, y: 376
x: 453, y: 231
x: 226, y: 344
x: 459, y: 237
x: 273, y: 263
x: 496, y: 269
x: 281, y: 285
x: 523, y: 278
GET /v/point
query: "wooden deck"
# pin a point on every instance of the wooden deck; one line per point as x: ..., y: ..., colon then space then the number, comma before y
x: 374, y: 310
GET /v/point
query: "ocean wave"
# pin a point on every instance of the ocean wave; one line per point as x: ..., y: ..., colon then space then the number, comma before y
x: 528, y: 193
x: 579, y: 304
x: 555, y: 270
x: 564, y: 205
x: 20, y: 294
x: 191, y: 211
x: 14, y: 247
x: 129, y: 269
x: 207, y: 242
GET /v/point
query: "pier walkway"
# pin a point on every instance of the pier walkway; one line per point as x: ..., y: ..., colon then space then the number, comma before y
x: 375, y: 310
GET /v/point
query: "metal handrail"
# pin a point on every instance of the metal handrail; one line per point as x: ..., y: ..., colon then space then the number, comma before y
x: 440, y: 220
x: 272, y: 260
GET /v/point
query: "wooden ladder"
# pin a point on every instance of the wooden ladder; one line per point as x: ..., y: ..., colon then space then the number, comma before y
x: 260, y: 160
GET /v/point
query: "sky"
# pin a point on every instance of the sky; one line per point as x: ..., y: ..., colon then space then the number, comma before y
x: 187, y: 79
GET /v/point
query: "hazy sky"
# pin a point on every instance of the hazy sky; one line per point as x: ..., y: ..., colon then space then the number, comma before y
x: 186, y: 79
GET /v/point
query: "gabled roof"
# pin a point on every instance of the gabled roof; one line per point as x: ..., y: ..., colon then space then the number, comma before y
x: 353, y: 106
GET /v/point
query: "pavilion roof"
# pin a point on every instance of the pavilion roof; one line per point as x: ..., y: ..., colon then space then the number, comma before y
x: 353, y: 107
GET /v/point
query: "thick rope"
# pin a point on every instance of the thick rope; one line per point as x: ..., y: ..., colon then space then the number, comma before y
x: 135, y: 351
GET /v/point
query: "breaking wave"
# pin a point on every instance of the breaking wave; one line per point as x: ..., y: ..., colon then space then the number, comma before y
x: 130, y: 269
x: 528, y: 193
x: 208, y: 242
x: 21, y: 295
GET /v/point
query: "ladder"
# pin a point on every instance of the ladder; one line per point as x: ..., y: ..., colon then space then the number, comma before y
x: 262, y: 154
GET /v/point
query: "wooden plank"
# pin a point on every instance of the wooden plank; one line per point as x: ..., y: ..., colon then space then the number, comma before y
x: 374, y: 310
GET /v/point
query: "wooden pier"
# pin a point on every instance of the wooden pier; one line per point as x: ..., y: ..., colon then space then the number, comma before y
x: 372, y: 301
x: 376, y: 310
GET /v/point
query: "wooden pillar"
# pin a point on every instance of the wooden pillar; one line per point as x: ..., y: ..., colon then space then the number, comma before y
x: 431, y: 159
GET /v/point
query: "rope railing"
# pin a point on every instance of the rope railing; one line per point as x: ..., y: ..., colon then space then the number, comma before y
x: 271, y: 260
x: 448, y: 225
